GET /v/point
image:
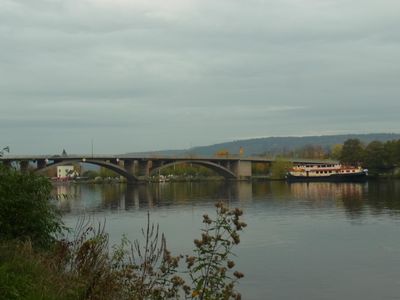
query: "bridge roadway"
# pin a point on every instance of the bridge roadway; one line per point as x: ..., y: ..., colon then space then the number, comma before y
x: 136, y: 168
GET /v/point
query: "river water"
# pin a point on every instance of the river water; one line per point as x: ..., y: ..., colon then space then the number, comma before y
x: 303, y: 240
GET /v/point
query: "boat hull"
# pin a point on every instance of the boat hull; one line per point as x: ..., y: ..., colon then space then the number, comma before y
x: 359, y: 177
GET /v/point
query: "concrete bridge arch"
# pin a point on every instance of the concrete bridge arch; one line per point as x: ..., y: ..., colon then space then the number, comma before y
x: 109, y: 165
x: 219, y: 169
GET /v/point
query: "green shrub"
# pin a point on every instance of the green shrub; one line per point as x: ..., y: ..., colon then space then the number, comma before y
x: 25, y: 209
x: 25, y: 274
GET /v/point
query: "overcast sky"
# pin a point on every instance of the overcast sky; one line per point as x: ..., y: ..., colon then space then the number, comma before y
x: 136, y: 75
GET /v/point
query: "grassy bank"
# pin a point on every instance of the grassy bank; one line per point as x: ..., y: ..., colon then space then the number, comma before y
x: 28, y: 274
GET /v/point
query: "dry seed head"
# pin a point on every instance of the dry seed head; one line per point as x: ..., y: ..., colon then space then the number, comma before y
x: 238, y: 212
x: 198, y: 243
x: 230, y: 264
x: 238, y: 274
x: 224, y: 210
x: 190, y: 261
x: 176, y: 280
x: 205, y: 238
x: 186, y: 289
x: 206, y: 219
x: 235, y: 237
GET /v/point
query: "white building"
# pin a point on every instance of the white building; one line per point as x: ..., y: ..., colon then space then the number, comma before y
x: 65, y: 172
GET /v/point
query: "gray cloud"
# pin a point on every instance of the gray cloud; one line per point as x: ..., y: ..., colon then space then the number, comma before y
x: 140, y: 75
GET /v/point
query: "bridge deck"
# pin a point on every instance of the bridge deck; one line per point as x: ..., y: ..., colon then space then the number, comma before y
x: 105, y: 157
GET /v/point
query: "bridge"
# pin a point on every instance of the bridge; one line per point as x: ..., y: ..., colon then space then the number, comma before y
x: 140, y: 168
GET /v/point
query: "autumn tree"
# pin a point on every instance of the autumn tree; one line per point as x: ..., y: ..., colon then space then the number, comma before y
x: 336, y: 151
x: 221, y: 153
x: 279, y: 168
x: 260, y: 168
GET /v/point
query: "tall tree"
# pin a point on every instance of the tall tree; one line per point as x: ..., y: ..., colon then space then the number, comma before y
x: 336, y: 151
x: 352, y: 152
x: 374, y: 157
x: 392, y: 152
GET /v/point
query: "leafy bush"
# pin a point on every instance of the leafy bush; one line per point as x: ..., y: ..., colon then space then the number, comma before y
x: 25, y: 209
x: 27, y: 274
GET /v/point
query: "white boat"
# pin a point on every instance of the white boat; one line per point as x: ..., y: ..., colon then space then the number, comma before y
x: 326, y: 172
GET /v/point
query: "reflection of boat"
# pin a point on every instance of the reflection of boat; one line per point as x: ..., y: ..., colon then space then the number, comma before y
x: 326, y: 172
x: 325, y: 192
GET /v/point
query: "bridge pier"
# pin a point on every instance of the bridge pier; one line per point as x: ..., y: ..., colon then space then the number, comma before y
x: 129, y: 166
x: 242, y: 169
x: 23, y: 166
x: 226, y: 164
x: 144, y: 168
x: 41, y: 163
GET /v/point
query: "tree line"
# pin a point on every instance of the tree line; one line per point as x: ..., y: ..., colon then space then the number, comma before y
x: 378, y: 157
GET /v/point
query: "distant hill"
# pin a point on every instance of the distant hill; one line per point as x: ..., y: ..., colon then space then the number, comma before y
x: 274, y: 145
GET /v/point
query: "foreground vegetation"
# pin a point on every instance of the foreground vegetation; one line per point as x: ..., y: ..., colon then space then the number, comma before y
x: 39, y: 259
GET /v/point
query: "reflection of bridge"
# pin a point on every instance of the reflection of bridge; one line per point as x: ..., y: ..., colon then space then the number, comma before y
x: 135, y: 168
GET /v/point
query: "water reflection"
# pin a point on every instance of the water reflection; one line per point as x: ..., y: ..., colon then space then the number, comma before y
x: 353, y: 198
x: 126, y: 197
x: 348, y: 196
x: 384, y: 197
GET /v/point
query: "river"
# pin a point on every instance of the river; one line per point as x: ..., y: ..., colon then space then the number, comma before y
x: 303, y: 240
